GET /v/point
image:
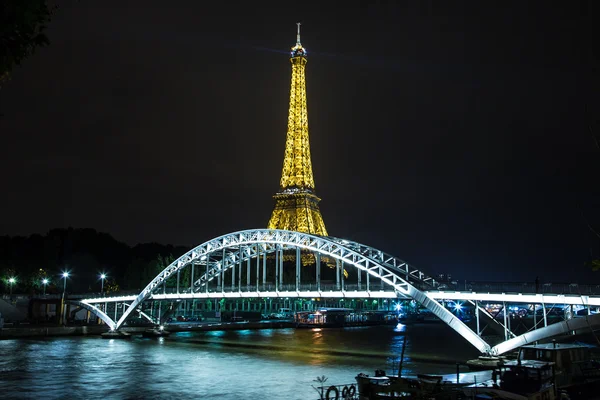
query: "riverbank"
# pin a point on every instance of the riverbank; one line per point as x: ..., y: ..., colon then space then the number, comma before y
x: 23, y: 332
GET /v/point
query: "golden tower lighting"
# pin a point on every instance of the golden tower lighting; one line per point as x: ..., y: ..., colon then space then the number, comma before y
x: 296, y: 203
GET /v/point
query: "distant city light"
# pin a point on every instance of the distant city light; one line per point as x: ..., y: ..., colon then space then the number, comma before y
x: 398, y: 307
x: 457, y: 306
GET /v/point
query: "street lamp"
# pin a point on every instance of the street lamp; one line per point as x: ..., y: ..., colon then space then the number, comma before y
x: 65, y: 275
x: 11, y: 282
x: 45, y: 283
x: 102, y: 278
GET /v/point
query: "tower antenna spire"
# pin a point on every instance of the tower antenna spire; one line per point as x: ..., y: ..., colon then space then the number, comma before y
x: 298, y: 35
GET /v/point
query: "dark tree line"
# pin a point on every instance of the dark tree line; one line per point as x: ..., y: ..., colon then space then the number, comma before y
x: 22, y: 26
x: 85, y: 254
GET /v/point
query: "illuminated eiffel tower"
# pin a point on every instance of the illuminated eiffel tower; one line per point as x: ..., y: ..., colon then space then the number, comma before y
x: 296, y: 203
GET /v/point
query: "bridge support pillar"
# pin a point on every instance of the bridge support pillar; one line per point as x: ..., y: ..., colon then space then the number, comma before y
x: 571, y: 312
x: 264, y: 282
x: 192, y: 276
x: 545, y: 317
x: 247, y: 273
x: 505, y: 311
x: 277, y: 269
x: 298, y: 268
x: 257, y: 267
x: 337, y: 274
x: 318, y: 270
x: 477, y: 317
x: 240, y: 272
x: 342, y: 274
x: 206, y: 280
x: 233, y: 278
x: 280, y: 268
x: 220, y: 277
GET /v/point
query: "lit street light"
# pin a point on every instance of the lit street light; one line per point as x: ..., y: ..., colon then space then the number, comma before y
x: 65, y: 275
x: 63, y: 317
x: 102, y: 278
x: 45, y: 283
x: 11, y: 282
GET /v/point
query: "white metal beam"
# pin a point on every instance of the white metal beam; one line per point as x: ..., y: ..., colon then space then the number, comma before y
x: 559, y: 328
x: 517, y: 298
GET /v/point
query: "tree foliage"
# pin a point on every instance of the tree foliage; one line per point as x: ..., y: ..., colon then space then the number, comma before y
x: 595, y: 265
x: 22, y: 26
x: 86, y: 254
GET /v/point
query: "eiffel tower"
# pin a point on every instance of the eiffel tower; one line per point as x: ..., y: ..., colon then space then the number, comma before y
x: 296, y: 203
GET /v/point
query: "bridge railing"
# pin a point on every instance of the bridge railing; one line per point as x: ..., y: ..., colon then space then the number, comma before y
x: 523, y: 287
x: 479, y: 287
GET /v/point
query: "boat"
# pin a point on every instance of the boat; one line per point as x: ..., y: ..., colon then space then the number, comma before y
x: 156, y: 332
x: 382, y: 386
x: 115, y: 335
x: 485, y: 363
x: 575, y: 371
x: 441, y: 387
x: 328, y: 317
x: 517, y: 380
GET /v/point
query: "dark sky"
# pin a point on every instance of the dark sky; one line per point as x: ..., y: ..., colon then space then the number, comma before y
x: 454, y: 136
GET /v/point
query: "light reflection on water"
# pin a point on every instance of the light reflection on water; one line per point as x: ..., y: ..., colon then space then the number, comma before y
x: 262, y: 364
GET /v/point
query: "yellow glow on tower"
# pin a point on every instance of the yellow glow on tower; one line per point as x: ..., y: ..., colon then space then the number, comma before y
x: 296, y: 204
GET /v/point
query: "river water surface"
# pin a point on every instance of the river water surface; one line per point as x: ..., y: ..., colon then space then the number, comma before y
x: 257, y: 364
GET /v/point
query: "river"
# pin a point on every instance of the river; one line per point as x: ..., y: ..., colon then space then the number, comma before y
x: 248, y: 364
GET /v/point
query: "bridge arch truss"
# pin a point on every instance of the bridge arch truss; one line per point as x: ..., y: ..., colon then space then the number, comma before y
x: 379, y: 273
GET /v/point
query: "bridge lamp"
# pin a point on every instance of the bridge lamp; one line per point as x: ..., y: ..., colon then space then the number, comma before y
x: 457, y: 307
x: 45, y: 283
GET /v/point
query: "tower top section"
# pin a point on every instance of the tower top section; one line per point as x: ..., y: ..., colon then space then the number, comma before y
x: 298, y: 50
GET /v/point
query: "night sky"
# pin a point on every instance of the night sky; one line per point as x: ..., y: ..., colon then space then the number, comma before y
x: 454, y: 136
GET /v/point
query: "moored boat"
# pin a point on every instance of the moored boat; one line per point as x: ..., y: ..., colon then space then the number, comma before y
x: 575, y: 371
x: 485, y: 362
x: 116, y: 335
x: 382, y: 386
x: 517, y: 380
x: 156, y: 332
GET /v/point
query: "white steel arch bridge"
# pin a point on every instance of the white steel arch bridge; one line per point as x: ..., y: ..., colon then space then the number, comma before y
x: 264, y: 263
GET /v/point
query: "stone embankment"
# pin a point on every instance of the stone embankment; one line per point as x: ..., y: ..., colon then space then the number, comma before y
x: 29, y: 331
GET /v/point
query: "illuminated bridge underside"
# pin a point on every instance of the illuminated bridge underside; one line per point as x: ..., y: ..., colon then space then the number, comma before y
x: 384, y: 276
x: 518, y: 298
